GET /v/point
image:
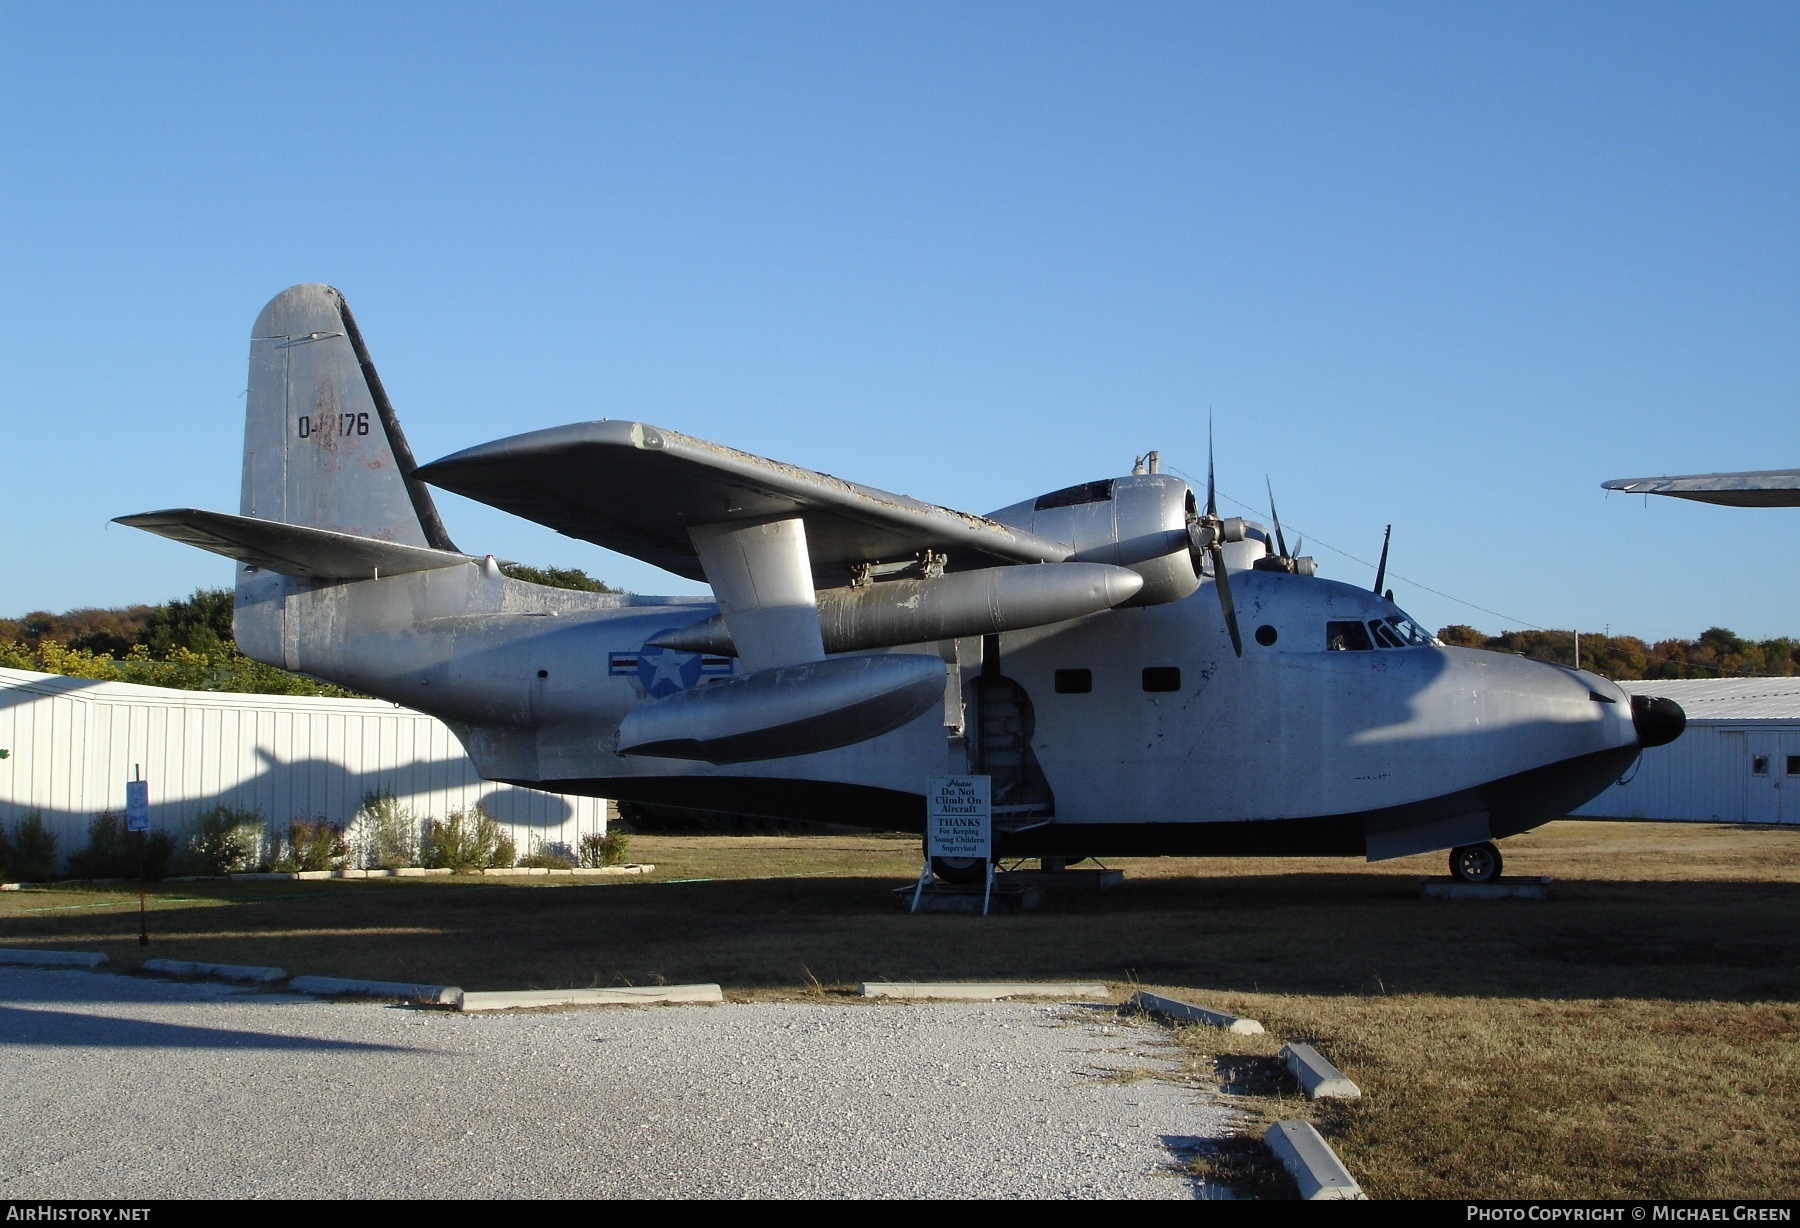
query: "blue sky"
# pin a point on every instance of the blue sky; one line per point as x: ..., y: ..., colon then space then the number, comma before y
x: 1445, y: 266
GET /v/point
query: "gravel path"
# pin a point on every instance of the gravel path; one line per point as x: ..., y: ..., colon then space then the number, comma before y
x: 123, y: 1087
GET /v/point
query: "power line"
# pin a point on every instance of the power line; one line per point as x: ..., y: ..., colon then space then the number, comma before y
x: 1365, y: 562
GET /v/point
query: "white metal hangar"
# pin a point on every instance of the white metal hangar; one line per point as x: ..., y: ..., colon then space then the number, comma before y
x: 1738, y: 758
x: 70, y: 744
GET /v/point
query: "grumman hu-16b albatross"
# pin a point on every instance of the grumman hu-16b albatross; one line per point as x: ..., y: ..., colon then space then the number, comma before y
x: 1135, y: 673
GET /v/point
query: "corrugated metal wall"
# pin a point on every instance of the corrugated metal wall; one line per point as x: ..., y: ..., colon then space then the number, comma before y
x: 1708, y: 775
x: 72, y: 744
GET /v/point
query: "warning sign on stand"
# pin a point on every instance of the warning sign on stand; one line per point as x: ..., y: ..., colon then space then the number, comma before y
x: 957, y: 817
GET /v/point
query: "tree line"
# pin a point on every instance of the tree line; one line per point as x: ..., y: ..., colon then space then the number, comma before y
x: 1717, y: 653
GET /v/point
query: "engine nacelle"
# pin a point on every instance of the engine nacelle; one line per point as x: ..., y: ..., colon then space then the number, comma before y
x: 1139, y: 522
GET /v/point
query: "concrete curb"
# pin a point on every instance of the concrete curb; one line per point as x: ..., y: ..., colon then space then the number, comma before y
x: 53, y: 959
x: 982, y: 991
x: 221, y: 972
x: 1186, y: 1012
x: 1320, y: 1078
x: 629, y: 868
x: 331, y: 986
x: 1314, y: 1165
x: 648, y: 995
x: 1499, y: 889
x: 573, y: 872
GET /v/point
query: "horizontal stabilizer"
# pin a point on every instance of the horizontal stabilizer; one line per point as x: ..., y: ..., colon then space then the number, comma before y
x: 291, y: 549
x: 638, y: 490
x: 1760, y: 488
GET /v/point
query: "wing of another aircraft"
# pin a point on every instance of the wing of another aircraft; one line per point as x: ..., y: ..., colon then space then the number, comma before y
x: 291, y: 549
x: 1762, y: 488
x: 638, y: 490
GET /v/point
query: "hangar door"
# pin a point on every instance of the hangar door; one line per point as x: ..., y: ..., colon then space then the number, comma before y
x: 1774, y: 769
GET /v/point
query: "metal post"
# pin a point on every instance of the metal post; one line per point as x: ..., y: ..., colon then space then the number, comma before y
x: 918, y: 891
x: 143, y: 857
x: 988, y: 892
x: 1578, y: 650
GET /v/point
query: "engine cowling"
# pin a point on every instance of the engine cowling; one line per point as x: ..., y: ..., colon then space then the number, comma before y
x: 1139, y: 522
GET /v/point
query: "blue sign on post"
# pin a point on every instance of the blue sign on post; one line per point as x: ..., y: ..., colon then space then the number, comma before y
x: 137, y: 805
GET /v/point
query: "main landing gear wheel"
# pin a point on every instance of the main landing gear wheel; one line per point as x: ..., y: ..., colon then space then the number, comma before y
x: 1475, y: 863
x: 959, y: 869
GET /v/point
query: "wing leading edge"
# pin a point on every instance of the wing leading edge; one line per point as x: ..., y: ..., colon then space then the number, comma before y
x: 1761, y: 488
x: 638, y: 489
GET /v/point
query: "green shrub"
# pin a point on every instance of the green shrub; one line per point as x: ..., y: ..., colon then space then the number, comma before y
x: 223, y: 840
x: 114, y: 852
x: 469, y: 840
x: 603, y: 850
x: 387, y: 833
x: 547, y: 857
x: 312, y: 844
x: 33, y: 850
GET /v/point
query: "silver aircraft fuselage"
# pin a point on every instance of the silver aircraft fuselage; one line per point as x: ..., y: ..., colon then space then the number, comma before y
x: 1292, y: 748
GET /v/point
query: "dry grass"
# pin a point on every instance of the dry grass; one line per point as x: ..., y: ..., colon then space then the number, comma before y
x: 1638, y: 1034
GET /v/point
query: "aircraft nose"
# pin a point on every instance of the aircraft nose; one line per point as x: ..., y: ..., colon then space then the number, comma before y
x: 1658, y: 721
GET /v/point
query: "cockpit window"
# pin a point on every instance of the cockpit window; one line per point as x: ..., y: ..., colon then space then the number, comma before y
x: 1410, y: 631
x: 1399, y: 632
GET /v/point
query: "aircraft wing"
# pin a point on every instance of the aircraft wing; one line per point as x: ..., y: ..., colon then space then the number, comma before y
x: 1763, y: 488
x: 638, y: 489
x: 291, y: 549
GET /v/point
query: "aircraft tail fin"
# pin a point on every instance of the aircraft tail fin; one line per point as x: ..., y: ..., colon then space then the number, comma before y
x: 322, y: 445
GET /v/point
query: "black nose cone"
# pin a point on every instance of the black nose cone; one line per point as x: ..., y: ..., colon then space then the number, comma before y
x: 1658, y: 721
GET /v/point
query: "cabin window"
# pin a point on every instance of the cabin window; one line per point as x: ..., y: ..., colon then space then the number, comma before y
x: 1347, y: 637
x: 1162, y: 678
x: 1759, y: 765
x: 1793, y: 765
x: 1074, y: 681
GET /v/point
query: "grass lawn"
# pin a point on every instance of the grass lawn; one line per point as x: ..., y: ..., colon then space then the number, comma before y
x: 1639, y: 1034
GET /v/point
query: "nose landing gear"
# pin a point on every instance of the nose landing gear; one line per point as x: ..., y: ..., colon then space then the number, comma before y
x: 1475, y: 863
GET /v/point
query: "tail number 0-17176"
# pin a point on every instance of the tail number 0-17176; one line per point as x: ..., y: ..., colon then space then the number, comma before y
x: 347, y: 424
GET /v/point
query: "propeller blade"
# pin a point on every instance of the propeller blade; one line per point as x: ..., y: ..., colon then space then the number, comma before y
x: 1280, y: 541
x: 1212, y: 503
x: 1225, y: 603
x: 1381, y: 571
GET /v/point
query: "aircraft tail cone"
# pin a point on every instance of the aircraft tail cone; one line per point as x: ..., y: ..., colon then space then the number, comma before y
x: 1658, y: 721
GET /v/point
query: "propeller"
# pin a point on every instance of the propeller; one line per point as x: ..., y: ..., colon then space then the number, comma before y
x: 1280, y: 541
x: 1381, y: 571
x: 1282, y: 559
x: 1207, y: 534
